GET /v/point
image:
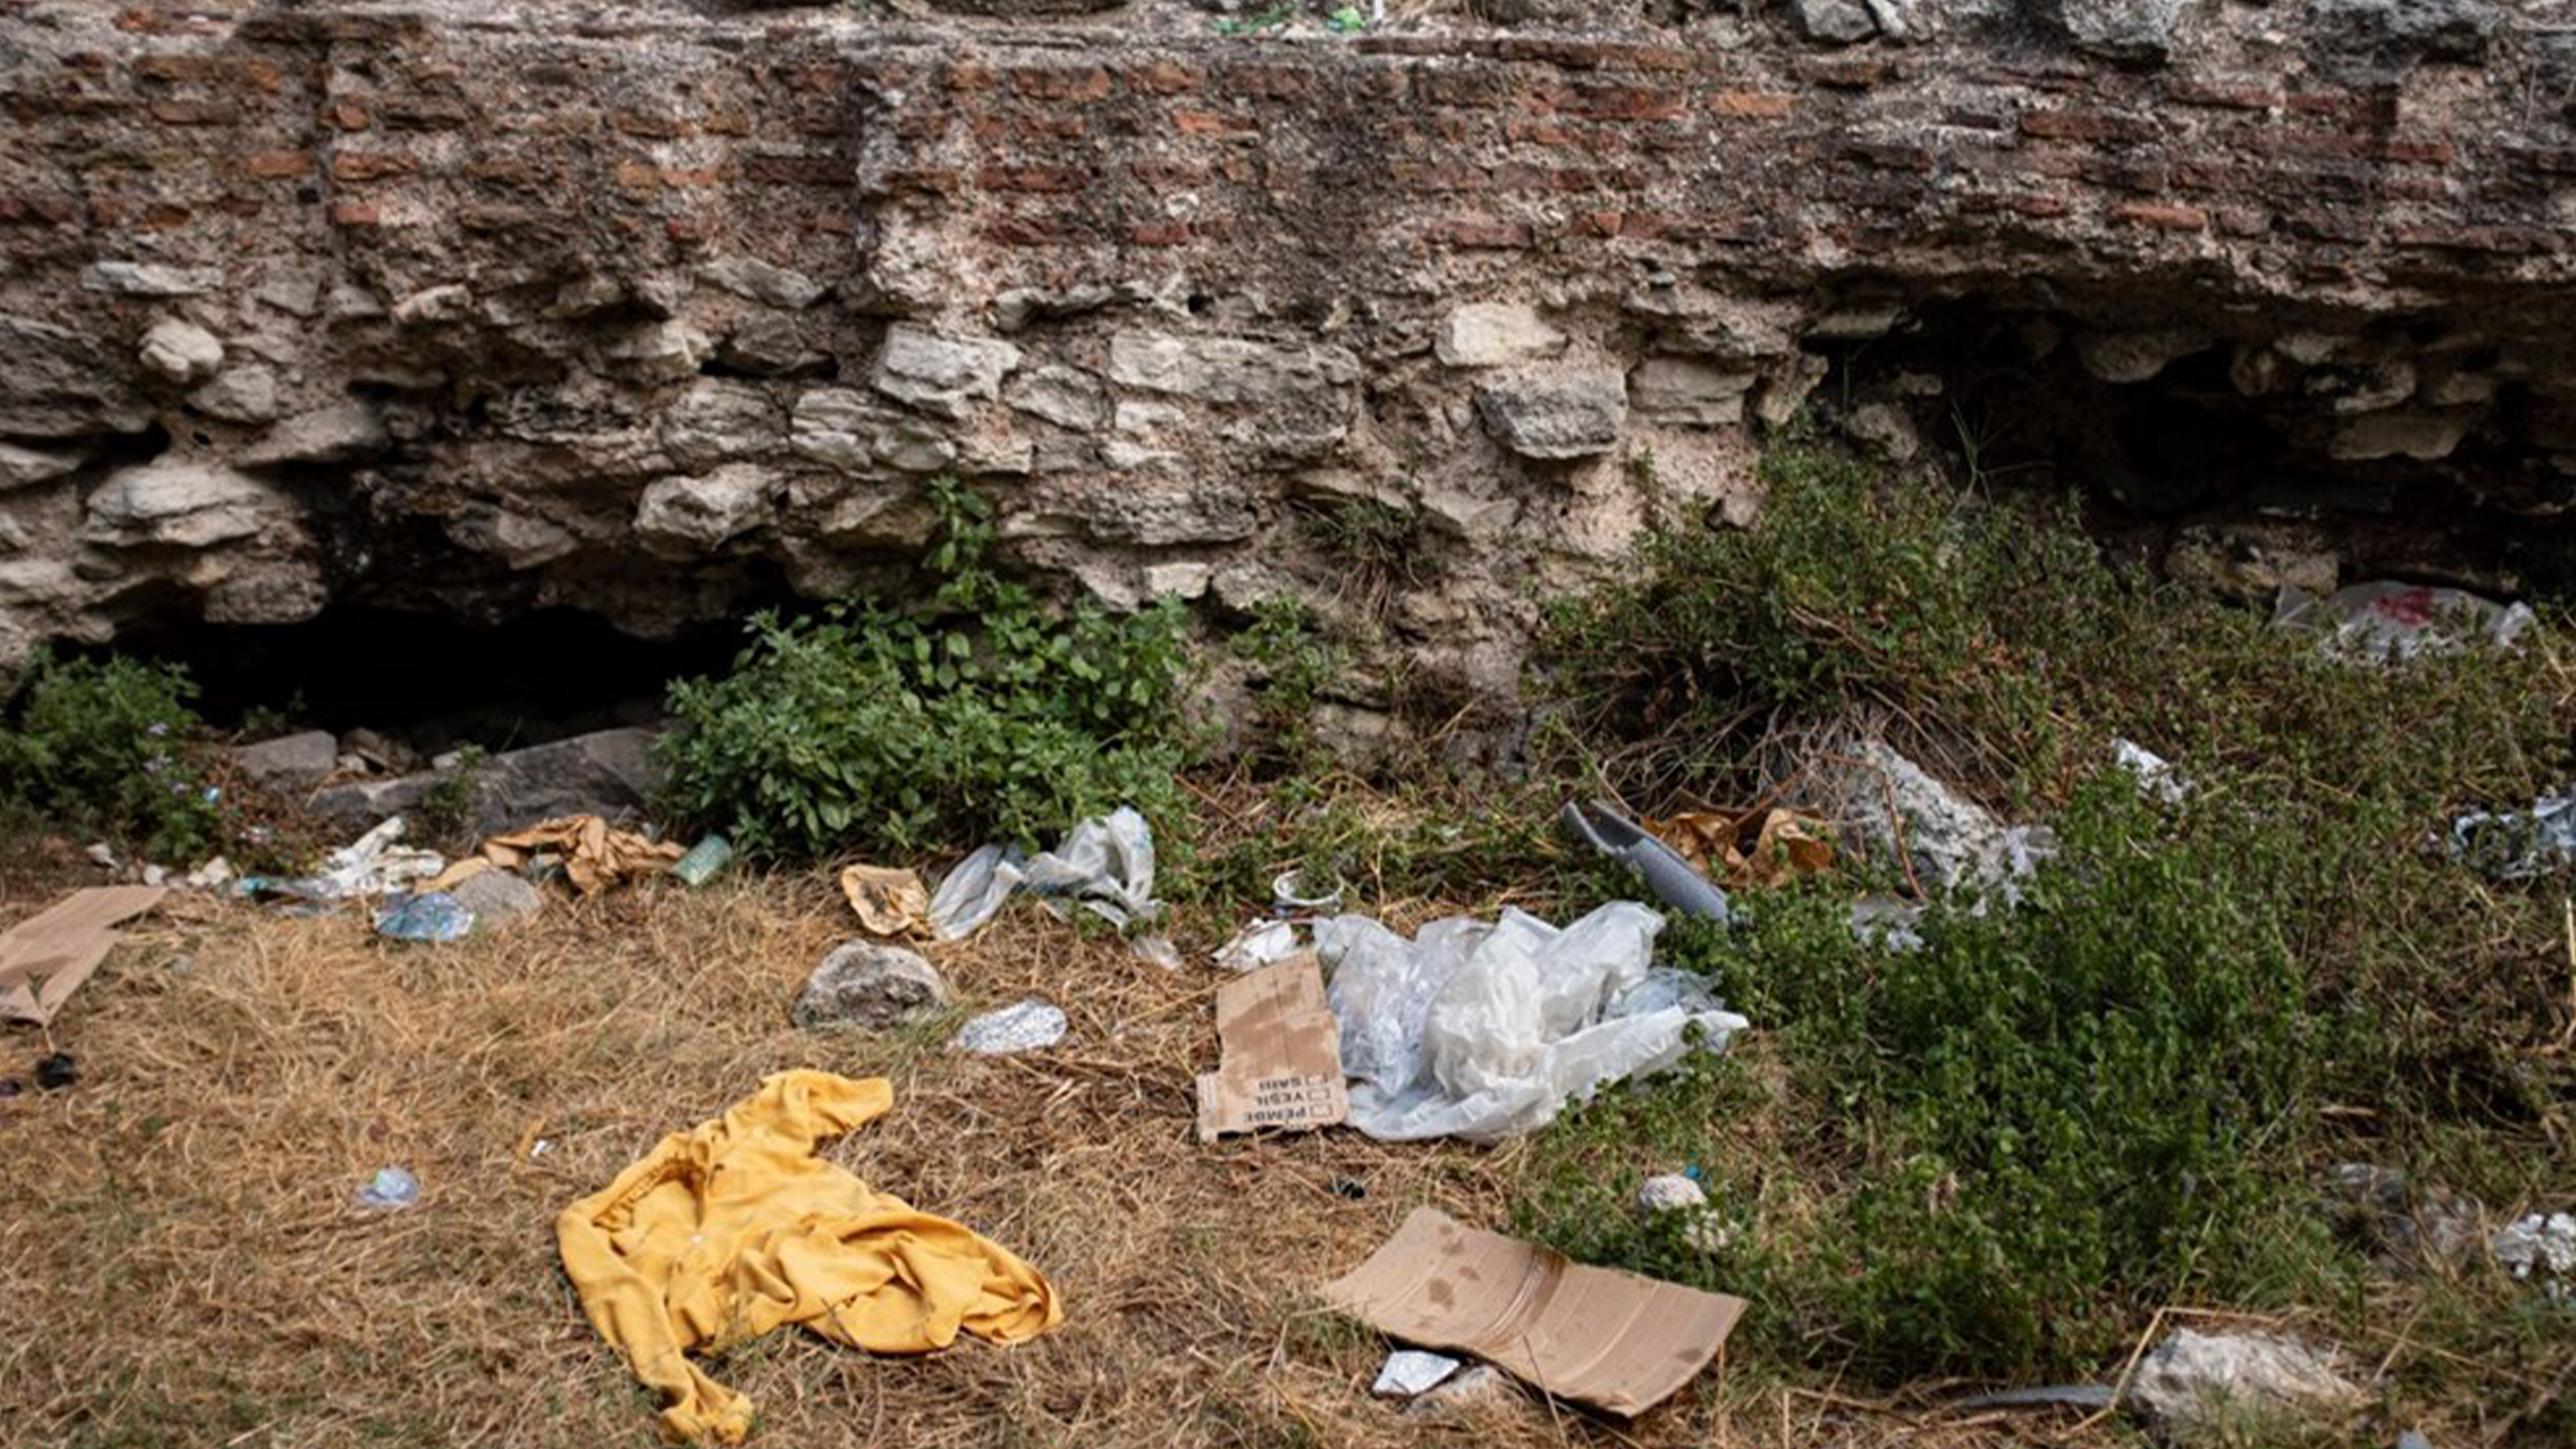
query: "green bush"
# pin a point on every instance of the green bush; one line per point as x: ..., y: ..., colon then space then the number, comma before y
x: 102, y: 745
x: 987, y: 715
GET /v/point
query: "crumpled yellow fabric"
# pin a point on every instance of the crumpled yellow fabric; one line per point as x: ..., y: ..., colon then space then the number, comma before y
x: 734, y: 1228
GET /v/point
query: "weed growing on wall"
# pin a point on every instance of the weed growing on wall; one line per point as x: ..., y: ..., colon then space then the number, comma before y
x: 988, y: 714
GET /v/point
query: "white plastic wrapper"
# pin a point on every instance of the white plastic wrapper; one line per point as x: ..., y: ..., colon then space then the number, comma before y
x: 2385, y: 620
x: 1487, y: 1031
x: 1105, y: 865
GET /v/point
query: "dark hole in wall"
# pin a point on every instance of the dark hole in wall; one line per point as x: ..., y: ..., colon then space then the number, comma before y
x: 2204, y: 449
x: 434, y: 680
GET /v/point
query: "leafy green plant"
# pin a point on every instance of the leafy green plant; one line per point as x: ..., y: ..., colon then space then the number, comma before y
x: 447, y: 811
x: 986, y: 714
x: 1293, y: 660
x: 105, y: 745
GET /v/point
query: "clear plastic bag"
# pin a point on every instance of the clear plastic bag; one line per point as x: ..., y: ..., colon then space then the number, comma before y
x: 1487, y: 1031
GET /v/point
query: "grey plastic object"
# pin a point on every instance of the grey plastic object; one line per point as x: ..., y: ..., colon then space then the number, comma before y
x: 1670, y: 877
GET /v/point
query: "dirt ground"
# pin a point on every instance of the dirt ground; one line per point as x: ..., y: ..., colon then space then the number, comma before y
x: 183, y: 1263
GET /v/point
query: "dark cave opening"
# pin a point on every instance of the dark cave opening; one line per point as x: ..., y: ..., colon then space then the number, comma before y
x: 435, y: 681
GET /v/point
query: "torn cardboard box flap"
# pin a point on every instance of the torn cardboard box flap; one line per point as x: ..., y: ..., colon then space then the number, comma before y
x: 1279, y: 1054
x: 45, y: 958
x: 1596, y: 1336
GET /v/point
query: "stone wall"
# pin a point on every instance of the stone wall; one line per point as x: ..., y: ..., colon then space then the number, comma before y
x: 663, y: 311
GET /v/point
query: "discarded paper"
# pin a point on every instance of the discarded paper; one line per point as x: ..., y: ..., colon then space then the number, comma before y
x: 1766, y: 847
x: 1279, y: 1055
x: 1597, y: 1336
x: 890, y: 902
x: 595, y: 856
x: 45, y: 958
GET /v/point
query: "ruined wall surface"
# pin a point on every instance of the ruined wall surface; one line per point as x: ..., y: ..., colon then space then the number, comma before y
x: 663, y: 310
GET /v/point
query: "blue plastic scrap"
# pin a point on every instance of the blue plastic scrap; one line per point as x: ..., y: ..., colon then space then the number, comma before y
x: 433, y: 917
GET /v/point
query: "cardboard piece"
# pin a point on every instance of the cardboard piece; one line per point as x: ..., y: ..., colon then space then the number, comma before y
x: 45, y: 958
x: 1279, y: 1054
x: 1597, y: 1336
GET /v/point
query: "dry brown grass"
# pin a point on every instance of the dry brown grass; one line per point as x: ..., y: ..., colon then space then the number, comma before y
x: 183, y: 1265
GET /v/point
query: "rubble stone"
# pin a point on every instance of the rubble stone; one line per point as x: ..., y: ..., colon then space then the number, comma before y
x: 871, y: 985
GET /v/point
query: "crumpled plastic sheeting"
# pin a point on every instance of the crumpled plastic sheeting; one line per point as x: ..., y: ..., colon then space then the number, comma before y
x: 371, y: 865
x: 1105, y: 865
x: 2519, y: 844
x: 1487, y: 1031
x: 2384, y: 619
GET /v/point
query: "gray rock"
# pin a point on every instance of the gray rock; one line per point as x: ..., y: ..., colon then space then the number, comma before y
x: 769, y: 345
x: 1887, y: 804
x: 57, y: 384
x: 290, y: 762
x: 1491, y: 334
x: 148, y: 279
x: 661, y: 351
x: 23, y: 467
x: 2426, y: 437
x: 2382, y: 36
x: 1682, y: 390
x: 180, y: 351
x: 2407, y: 1228
x: 718, y: 420
x: 340, y: 433
x: 758, y: 281
x: 498, y: 897
x: 2123, y: 30
x: 943, y: 375
x: 181, y: 502
x: 434, y: 306
x: 1552, y: 417
x: 684, y: 517
x: 2194, y: 1381
x: 609, y: 773
x: 266, y: 591
x: 2126, y: 357
x: 1230, y: 370
x: 518, y: 540
x: 865, y: 984
x: 245, y: 394
x: 1161, y: 515
x: 1064, y: 396
x: 835, y: 426
x: 1022, y: 1026
x: 1835, y: 22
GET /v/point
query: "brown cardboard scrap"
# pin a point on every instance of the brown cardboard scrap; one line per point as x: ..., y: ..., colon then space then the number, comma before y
x: 1597, y: 1336
x: 595, y: 856
x: 1279, y: 1054
x: 45, y: 958
x: 890, y: 901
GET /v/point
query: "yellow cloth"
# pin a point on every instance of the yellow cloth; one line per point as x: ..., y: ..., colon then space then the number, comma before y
x: 725, y: 1232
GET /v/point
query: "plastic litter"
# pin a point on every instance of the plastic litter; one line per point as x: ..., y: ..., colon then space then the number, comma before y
x: 1023, y: 1026
x: 704, y: 861
x: 1263, y: 943
x: 434, y: 917
x: 2383, y: 620
x: 373, y: 865
x: 2538, y: 1247
x: 1411, y: 1371
x: 2518, y: 844
x: 1665, y: 872
x: 1886, y: 922
x: 2153, y: 772
x: 1668, y: 1192
x: 1287, y: 897
x: 391, y: 1190
x: 1486, y: 1031
x: 1104, y: 865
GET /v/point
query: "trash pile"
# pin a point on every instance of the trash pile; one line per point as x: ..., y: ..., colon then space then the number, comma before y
x: 2383, y: 620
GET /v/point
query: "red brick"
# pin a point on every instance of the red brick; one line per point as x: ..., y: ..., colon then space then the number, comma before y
x: 644, y: 176
x: 2160, y: 216
x: 346, y: 115
x: 1211, y: 123
x: 1627, y: 103
x: 1531, y: 131
x: 2084, y: 126
x: 1472, y: 89
x: 357, y: 213
x: 1266, y: 82
x: 195, y: 113
x: 998, y: 177
x: 2222, y: 95
x: 775, y: 170
x: 1164, y: 77
x: 1022, y: 231
x: 25, y: 209
x: 1159, y: 233
x: 650, y: 127
x: 274, y: 165
x: 2496, y: 240
x: 1079, y: 83
x: 370, y: 165
x: 1751, y: 105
